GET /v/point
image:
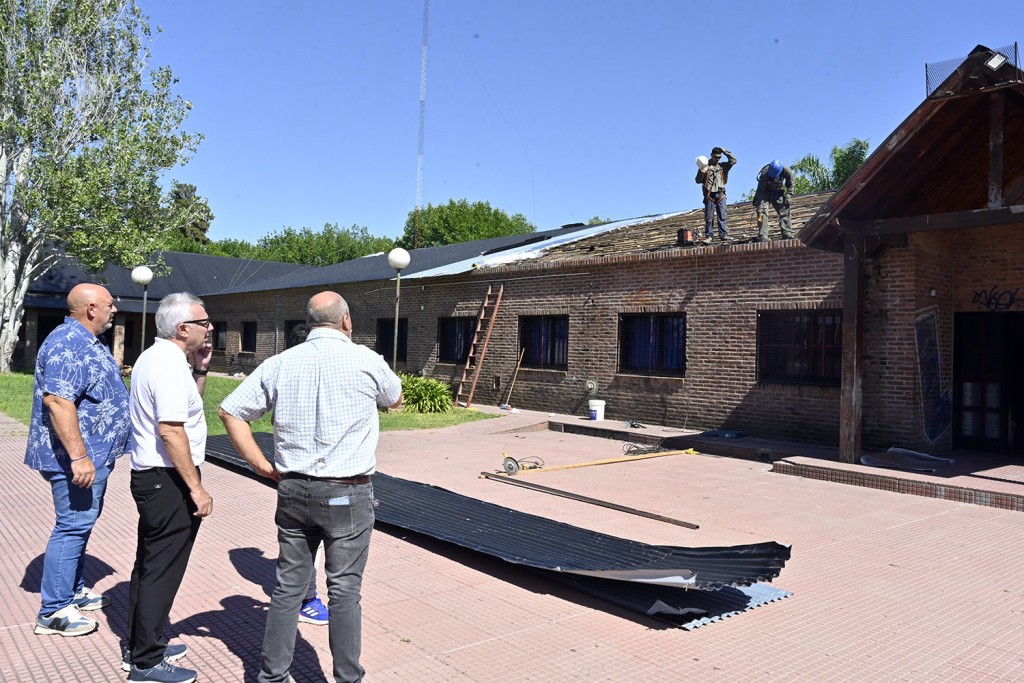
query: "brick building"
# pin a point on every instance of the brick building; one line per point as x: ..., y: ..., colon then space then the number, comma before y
x: 663, y: 332
x: 892, y: 321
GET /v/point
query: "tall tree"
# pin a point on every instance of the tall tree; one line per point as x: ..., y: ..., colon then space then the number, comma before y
x: 192, y: 213
x: 86, y: 129
x: 327, y: 247
x: 459, y: 221
x: 811, y: 175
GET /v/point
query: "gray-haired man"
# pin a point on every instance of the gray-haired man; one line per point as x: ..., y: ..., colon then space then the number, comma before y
x: 167, y: 446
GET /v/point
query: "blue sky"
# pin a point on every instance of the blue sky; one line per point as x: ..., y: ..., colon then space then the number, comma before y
x: 557, y: 109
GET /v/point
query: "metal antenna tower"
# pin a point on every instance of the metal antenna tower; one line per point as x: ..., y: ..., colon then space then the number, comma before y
x: 423, y: 115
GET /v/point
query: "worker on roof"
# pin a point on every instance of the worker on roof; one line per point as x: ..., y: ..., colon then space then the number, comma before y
x: 774, y: 187
x: 712, y: 175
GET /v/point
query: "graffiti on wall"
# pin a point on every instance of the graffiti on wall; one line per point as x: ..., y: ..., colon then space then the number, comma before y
x: 995, y: 300
x: 936, y: 402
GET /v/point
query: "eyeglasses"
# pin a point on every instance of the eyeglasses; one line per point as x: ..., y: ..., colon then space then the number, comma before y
x: 205, y: 322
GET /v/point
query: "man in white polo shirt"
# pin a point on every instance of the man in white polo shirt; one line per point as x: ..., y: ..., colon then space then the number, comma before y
x: 168, y: 444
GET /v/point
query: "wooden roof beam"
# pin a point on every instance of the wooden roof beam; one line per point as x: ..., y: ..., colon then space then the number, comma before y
x: 1003, y: 215
x: 1014, y: 193
x: 995, y: 149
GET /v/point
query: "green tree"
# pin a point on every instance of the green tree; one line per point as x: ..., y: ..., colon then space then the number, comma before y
x: 192, y: 213
x: 459, y: 221
x: 811, y: 175
x: 86, y: 130
x: 327, y: 247
x: 597, y: 220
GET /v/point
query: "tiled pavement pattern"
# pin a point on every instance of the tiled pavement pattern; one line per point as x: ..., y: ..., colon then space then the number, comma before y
x: 886, y: 586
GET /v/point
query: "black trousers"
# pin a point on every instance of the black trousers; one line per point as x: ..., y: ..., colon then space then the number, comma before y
x: 167, y: 531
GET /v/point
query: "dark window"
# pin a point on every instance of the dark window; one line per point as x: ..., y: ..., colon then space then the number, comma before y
x: 45, y: 324
x: 295, y: 332
x: 544, y: 340
x: 220, y: 336
x: 129, y: 333
x: 800, y: 347
x: 385, y: 345
x: 454, y: 336
x: 249, y: 336
x: 652, y: 344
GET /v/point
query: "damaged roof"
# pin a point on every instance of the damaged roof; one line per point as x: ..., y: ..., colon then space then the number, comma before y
x: 644, y: 235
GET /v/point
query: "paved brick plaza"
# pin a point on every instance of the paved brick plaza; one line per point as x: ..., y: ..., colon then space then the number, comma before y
x: 886, y: 586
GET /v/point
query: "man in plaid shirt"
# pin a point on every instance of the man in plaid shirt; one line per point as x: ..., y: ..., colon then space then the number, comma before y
x: 324, y: 394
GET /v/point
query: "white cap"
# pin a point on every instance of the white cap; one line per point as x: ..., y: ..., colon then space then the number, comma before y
x: 702, y: 162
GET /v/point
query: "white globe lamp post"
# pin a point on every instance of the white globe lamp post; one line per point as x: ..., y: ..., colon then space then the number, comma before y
x: 398, y: 259
x: 143, y: 275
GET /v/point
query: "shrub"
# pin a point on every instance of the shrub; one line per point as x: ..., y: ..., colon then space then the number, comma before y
x: 426, y: 395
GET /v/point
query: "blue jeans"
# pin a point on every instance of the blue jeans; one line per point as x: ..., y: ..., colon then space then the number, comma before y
x: 715, y: 203
x: 340, y: 515
x: 77, y: 510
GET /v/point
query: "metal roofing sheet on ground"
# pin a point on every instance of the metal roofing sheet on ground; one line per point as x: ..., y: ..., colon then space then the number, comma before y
x: 588, y: 556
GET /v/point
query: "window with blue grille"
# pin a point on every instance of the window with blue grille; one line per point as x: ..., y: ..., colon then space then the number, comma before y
x: 800, y: 347
x: 652, y: 344
x: 544, y: 341
x: 454, y: 337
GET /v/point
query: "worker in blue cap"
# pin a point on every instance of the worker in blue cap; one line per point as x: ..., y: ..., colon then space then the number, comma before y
x: 774, y: 187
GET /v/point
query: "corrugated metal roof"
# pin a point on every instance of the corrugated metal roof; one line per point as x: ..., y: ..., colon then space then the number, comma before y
x: 534, y: 541
x: 196, y: 273
x: 375, y: 267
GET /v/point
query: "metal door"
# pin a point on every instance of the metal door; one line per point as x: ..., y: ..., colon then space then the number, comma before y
x: 987, y: 378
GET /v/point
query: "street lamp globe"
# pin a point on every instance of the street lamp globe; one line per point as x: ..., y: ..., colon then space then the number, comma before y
x: 142, y: 275
x: 398, y: 258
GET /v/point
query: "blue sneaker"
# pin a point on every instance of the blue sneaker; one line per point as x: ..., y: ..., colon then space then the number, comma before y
x: 164, y: 672
x: 314, y: 612
x: 87, y: 601
x: 172, y: 653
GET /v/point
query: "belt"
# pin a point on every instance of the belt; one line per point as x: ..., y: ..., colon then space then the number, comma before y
x: 352, y: 481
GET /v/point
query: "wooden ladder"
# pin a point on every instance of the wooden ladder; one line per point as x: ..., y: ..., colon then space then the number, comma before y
x: 478, y: 349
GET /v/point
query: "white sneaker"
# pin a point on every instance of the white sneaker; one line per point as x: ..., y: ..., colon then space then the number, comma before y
x: 65, y: 622
x: 88, y: 601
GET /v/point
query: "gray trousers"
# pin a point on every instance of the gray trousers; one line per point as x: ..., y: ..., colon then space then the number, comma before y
x: 340, y: 515
x: 778, y: 202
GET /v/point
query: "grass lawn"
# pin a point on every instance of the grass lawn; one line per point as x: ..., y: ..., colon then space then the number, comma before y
x: 16, y: 401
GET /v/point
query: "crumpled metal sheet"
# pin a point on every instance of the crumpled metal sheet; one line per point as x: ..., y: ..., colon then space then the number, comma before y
x: 687, y: 587
x: 535, y: 541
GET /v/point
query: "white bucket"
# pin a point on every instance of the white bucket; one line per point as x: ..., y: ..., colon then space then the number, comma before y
x: 596, y: 410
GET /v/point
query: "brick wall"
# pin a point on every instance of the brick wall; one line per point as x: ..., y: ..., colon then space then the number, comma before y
x: 970, y: 270
x: 720, y: 289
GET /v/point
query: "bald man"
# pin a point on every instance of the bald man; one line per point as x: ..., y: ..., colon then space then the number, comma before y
x: 324, y: 394
x: 79, y: 427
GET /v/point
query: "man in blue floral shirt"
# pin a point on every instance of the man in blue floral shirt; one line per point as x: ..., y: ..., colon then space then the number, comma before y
x: 79, y: 427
